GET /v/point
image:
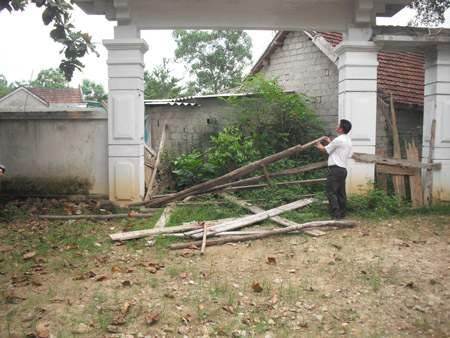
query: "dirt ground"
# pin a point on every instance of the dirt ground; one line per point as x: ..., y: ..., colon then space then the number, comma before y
x: 387, y: 278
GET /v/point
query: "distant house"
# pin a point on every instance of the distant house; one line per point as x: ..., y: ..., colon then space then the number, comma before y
x: 306, y: 62
x: 28, y: 97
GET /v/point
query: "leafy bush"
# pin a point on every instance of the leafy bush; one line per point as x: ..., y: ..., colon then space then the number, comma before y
x: 231, y: 150
x: 191, y: 169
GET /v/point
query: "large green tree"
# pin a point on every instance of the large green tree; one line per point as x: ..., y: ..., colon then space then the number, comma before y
x: 429, y: 12
x: 93, y: 91
x: 159, y: 84
x: 216, y: 59
x: 76, y: 44
x: 4, y: 88
x: 50, y: 78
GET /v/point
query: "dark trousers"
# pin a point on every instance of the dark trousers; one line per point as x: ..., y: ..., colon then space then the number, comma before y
x: 336, y: 194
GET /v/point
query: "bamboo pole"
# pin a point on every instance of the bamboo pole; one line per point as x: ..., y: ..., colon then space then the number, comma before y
x: 150, y: 190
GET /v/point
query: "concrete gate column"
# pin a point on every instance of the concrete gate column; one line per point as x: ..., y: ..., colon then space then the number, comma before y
x: 357, y: 66
x: 126, y: 114
x: 437, y: 106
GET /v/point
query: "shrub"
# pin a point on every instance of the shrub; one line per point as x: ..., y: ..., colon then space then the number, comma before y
x: 191, y: 169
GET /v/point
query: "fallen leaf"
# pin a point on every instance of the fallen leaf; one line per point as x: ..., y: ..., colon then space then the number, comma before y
x: 229, y: 308
x: 256, y: 286
x: 118, y: 320
x: 169, y: 295
x: 187, y: 318
x: 187, y: 254
x: 101, y: 278
x: 193, y: 247
x: 127, y: 283
x: 117, y: 269
x: 42, y: 332
x: 271, y: 260
x: 153, y: 318
x: 182, y: 275
x: 28, y: 255
x: 112, y: 329
x: 183, y: 330
x: 6, y: 248
x: 206, y: 274
x: 79, y: 277
x: 124, y: 307
x: 36, y: 283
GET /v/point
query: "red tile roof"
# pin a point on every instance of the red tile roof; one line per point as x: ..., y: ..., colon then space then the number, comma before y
x: 399, y: 73
x: 58, y: 95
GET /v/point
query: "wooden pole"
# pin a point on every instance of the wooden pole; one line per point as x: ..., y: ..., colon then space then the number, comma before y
x: 427, y: 194
x: 150, y: 190
x: 205, y: 230
x: 381, y: 178
x: 370, y: 158
x: 415, y: 182
x: 398, y: 180
x: 95, y: 216
x: 234, y: 174
x: 252, y: 219
x: 277, y: 219
x: 275, y: 232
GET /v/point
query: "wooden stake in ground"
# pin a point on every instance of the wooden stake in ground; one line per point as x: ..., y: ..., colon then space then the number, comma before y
x: 150, y: 190
x: 398, y: 180
x: 427, y: 193
x: 415, y: 182
x: 340, y: 224
x: 233, y: 175
x: 205, y: 230
x: 252, y: 219
x: 280, y: 220
x: 381, y: 177
x: 165, y: 216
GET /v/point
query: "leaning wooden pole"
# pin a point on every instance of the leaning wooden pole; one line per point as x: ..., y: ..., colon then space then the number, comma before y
x: 234, y: 174
x: 275, y: 232
x: 398, y: 180
x: 150, y: 191
x: 427, y: 193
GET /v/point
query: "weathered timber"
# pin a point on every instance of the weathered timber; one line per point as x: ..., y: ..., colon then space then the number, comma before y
x: 275, y: 232
x: 397, y: 180
x: 252, y: 219
x: 124, y: 236
x: 165, y: 216
x: 234, y: 174
x: 415, y: 181
x: 394, y: 170
x: 205, y: 230
x: 285, y: 172
x: 278, y: 184
x: 150, y: 191
x: 277, y: 219
x: 381, y: 178
x: 95, y: 216
x: 370, y: 158
x: 427, y: 193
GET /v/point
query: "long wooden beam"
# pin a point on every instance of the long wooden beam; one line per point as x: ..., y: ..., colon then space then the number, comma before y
x: 371, y: 158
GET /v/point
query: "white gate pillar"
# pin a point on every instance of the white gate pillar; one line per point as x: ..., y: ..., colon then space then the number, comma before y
x: 357, y: 65
x: 437, y: 106
x: 126, y: 114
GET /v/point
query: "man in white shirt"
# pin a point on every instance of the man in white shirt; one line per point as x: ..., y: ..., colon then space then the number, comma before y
x: 338, y: 152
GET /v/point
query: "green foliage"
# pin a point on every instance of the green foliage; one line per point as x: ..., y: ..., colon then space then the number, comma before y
x: 160, y: 85
x: 50, y: 78
x: 276, y: 119
x: 191, y: 169
x: 76, y: 44
x: 375, y: 203
x: 216, y: 58
x: 4, y: 88
x: 429, y: 12
x: 93, y: 91
x: 231, y: 150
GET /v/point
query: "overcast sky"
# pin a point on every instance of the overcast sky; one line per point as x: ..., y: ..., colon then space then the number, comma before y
x: 27, y: 47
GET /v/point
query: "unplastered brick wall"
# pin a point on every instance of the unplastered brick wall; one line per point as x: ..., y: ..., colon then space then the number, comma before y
x: 301, y: 67
x: 188, y: 126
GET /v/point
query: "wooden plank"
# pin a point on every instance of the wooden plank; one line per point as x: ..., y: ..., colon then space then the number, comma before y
x: 150, y: 191
x: 285, y: 172
x: 380, y: 176
x: 427, y: 194
x: 234, y: 174
x: 275, y: 232
x: 398, y: 180
x: 393, y: 170
x: 252, y: 219
x: 95, y: 216
x: 370, y: 158
x: 124, y: 236
x: 278, y: 184
x: 415, y: 181
x: 277, y: 219
x: 165, y: 216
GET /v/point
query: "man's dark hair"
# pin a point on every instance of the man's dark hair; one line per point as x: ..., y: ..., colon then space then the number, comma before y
x: 346, y: 126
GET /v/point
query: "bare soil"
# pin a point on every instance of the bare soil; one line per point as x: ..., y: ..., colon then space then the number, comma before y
x: 386, y: 278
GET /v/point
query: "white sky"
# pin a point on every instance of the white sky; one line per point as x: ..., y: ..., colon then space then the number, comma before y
x: 27, y: 47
